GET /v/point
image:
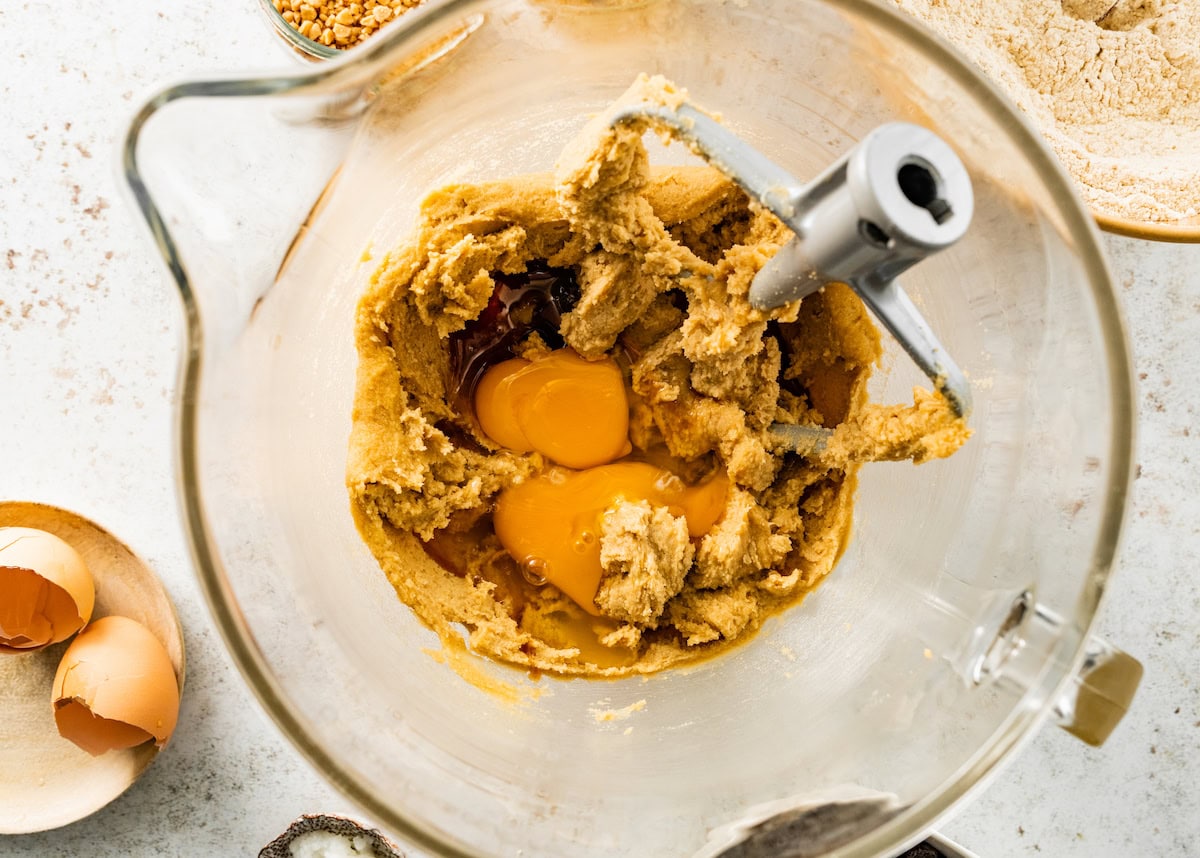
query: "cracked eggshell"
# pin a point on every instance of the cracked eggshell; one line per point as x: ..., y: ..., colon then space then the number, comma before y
x: 115, y: 688
x: 46, y: 591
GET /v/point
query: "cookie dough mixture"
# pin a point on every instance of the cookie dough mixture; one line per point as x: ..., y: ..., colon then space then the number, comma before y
x: 561, y: 441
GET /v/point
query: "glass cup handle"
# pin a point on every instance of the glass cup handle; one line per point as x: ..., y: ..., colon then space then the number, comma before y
x: 1099, y: 694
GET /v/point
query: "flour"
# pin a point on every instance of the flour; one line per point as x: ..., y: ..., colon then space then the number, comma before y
x: 1114, y: 87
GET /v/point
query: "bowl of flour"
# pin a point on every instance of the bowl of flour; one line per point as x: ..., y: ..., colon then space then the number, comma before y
x: 1114, y: 87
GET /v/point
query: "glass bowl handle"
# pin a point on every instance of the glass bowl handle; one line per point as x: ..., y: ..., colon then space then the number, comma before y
x: 1099, y: 691
x: 1099, y: 694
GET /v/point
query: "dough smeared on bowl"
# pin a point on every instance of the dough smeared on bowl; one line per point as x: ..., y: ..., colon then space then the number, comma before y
x: 649, y: 268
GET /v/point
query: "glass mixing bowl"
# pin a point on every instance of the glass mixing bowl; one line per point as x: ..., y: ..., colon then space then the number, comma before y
x: 958, y: 617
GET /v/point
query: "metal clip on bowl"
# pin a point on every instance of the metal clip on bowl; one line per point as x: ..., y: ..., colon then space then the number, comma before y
x: 898, y: 196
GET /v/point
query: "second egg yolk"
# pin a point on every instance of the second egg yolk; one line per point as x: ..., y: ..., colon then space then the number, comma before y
x: 551, y: 524
x: 572, y: 411
x: 575, y: 413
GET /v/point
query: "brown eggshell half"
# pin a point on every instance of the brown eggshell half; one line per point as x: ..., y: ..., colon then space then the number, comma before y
x: 46, y: 591
x: 115, y: 688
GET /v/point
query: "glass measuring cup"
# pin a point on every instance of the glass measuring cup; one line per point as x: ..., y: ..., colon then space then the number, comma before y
x: 958, y: 617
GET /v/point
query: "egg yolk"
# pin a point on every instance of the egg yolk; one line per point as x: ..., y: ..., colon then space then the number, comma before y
x: 551, y: 524
x: 572, y: 411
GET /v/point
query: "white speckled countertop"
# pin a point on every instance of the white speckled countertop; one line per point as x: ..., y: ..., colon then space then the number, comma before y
x: 89, y: 330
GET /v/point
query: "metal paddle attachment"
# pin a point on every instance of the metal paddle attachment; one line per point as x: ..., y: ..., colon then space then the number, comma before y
x: 897, y: 197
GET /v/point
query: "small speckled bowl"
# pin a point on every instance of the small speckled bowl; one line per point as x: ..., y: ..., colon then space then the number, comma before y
x: 281, y: 846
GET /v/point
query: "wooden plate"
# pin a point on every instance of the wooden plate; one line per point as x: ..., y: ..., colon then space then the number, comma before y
x: 1182, y: 231
x: 46, y: 781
